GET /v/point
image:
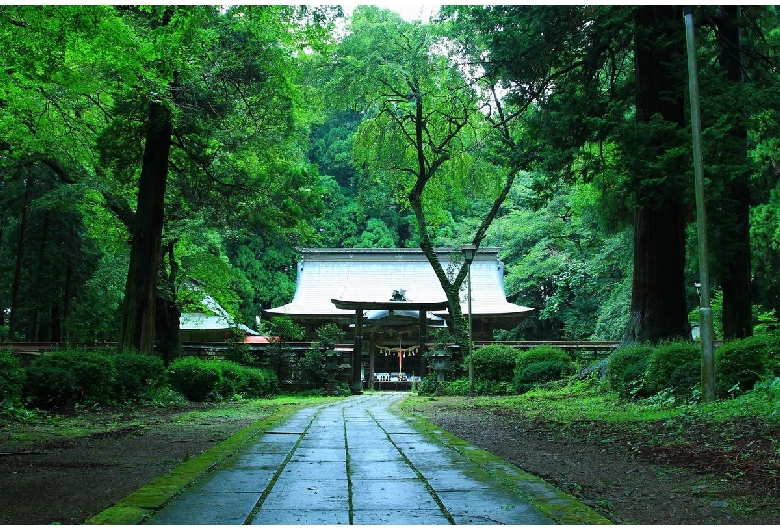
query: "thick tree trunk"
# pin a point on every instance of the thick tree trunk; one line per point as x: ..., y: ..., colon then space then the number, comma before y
x: 736, y: 279
x: 13, y: 320
x: 138, y: 308
x: 168, y: 313
x: 40, y: 286
x: 658, y: 308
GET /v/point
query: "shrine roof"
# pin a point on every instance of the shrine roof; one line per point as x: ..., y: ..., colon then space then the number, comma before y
x: 362, y: 277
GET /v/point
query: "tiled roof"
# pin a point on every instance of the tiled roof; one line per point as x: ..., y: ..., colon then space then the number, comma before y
x: 203, y: 322
x: 371, y: 275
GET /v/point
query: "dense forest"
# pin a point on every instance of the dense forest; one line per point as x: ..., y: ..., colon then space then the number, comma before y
x: 151, y: 154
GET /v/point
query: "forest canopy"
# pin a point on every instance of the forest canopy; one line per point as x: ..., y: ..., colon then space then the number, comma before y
x: 151, y: 154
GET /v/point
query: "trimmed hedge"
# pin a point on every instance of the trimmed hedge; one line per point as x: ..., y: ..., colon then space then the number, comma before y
x: 201, y: 380
x: 495, y: 362
x: 136, y: 374
x: 626, y: 367
x: 664, y: 360
x: 686, y: 377
x: 742, y: 363
x: 537, y: 354
x: 542, y: 372
x: 70, y: 377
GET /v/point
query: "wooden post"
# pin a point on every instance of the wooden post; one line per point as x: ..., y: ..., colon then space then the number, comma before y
x: 357, y: 381
x: 423, y: 341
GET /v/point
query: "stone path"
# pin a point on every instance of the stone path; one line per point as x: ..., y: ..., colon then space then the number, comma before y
x: 352, y: 462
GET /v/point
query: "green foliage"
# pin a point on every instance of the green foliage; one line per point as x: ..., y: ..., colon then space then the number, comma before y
x: 12, y: 377
x: 202, y: 380
x: 311, y: 369
x: 342, y: 389
x: 634, y: 379
x: 495, y: 362
x: 428, y: 385
x: 686, y: 378
x: 67, y: 378
x: 542, y: 372
x: 493, y: 388
x: 50, y: 387
x: 618, y: 377
x: 194, y: 378
x: 136, y: 375
x: 739, y: 364
x: 330, y: 334
x: 538, y: 354
x: 91, y: 379
x: 458, y: 387
x: 664, y: 360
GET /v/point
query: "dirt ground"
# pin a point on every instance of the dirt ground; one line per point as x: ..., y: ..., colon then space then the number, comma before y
x: 65, y: 480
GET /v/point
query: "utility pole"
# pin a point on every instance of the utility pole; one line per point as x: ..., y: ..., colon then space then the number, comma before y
x: 706, y: 332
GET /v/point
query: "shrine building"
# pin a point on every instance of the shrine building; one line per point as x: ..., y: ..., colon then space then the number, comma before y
x: 389, y: 300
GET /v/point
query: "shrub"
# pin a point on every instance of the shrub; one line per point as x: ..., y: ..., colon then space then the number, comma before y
x: 232, y: 380
x: 428, y: 385
x: 663, y: 362
x: 91, y: 378
x: 741, y: 363
x: 136, y: 375
x: 200, y: 380
x: 542, y: 372
x: 12, y: 377
x: 259, y: 382
x: 493, y: 363
x: 48, y: 387
x: 619, y: 362
x: 632, y: 384
x: 537, y: 354
x: 457, y: 387
x: 685, y: 378
x: 194, y: 378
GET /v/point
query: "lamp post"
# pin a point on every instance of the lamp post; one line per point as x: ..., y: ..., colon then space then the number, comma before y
x: 705, y: 310
x: 468, y: 254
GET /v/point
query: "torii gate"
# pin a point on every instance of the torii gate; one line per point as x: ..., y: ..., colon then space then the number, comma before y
x: 398, y: 303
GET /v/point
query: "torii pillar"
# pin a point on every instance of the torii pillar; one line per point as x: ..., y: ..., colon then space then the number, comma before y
x: 360, y: 306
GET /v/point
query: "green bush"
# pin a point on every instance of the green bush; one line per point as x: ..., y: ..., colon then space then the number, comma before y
x: 741, y: 364
x: 685, y: 378
x: 537, y: 354
x: 428, y: 385
x: 663, y: 362
x: 457, y: 387
x: 48, y: 387
x: 70, y: 377
x: 259, y: 382
x: 232, y: 380
x: 633, y: 381
x: 542, y: 372
x: 493, y: 363
x: 201, y: 380
x: 195, y: 378
x: 620, y: 360
x: 136, y: 375
x: 12, y: 377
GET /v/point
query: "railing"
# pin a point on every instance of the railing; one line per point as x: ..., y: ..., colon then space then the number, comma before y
x: 583, y: 349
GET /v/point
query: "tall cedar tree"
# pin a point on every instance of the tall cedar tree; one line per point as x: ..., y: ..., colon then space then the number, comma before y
x: 736, y: 279
x: 658, y: 308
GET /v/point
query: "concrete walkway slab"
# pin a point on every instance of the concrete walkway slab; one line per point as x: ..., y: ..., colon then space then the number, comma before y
x: 358, y: 461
